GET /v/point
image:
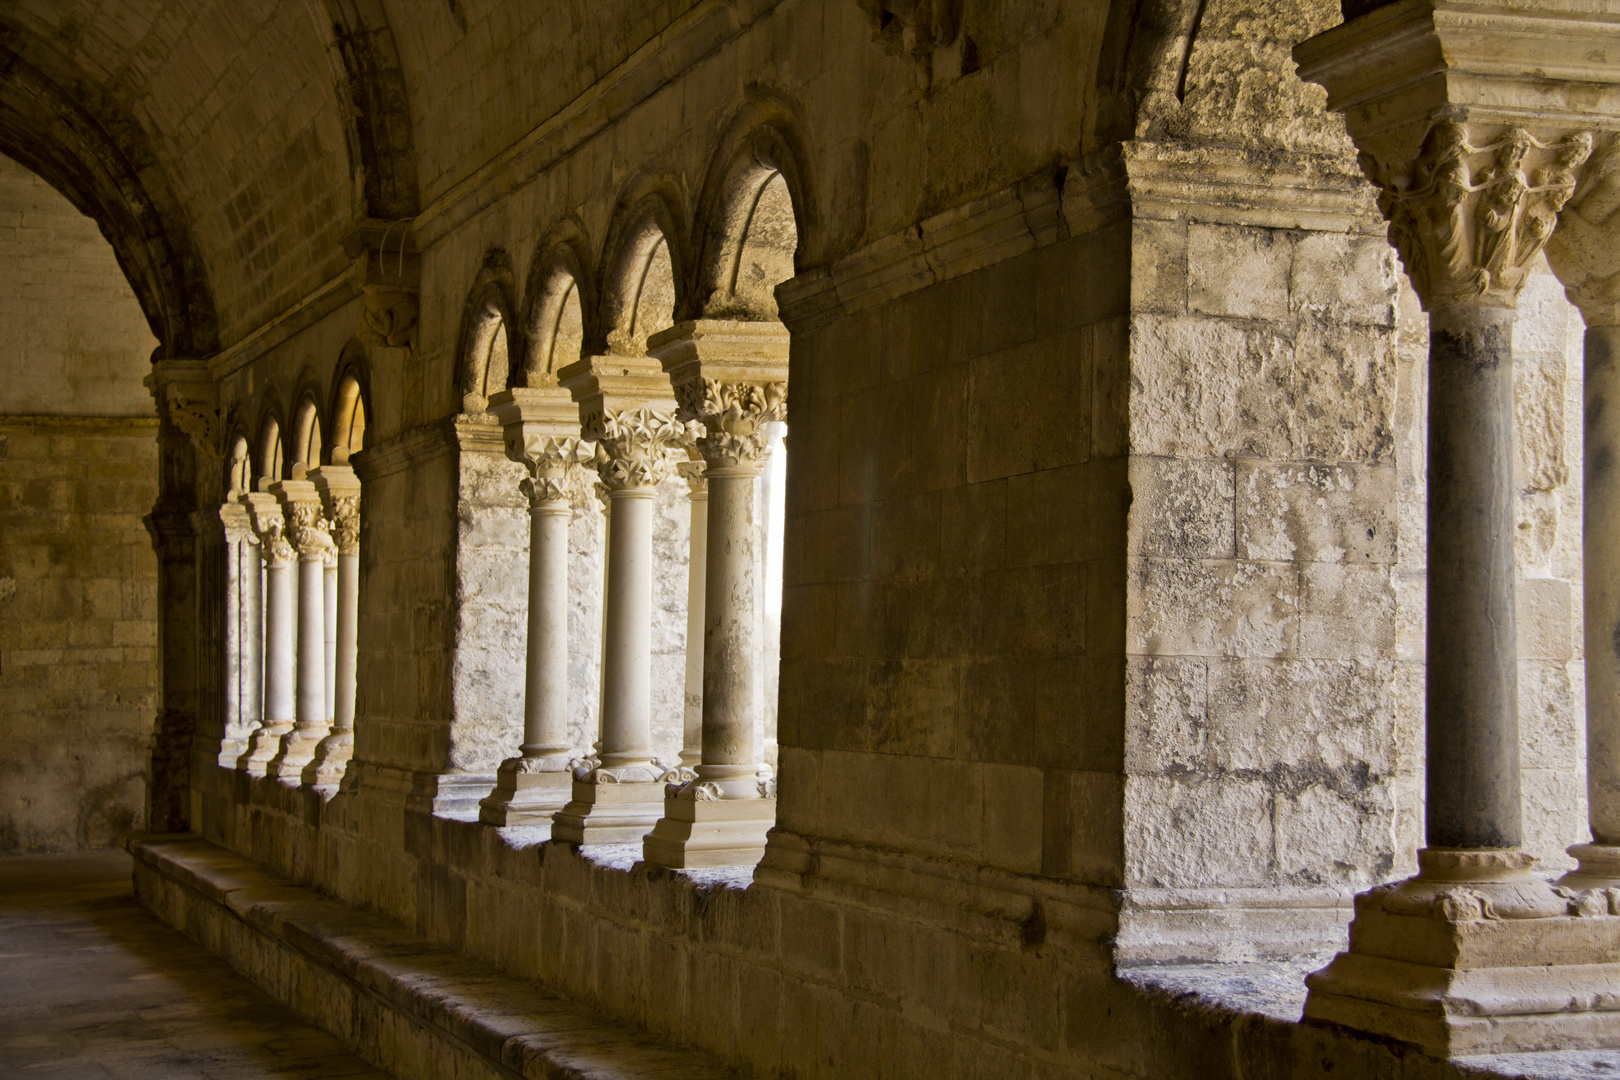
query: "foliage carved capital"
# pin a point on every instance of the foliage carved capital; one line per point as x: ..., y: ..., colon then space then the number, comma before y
x: 733, y: 416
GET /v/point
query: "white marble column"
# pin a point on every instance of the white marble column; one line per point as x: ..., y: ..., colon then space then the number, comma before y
x: 1585, y: 254
x: 696, y: 567
x: 280, y: 632
x: 242, y: 624
x: 627, y: 408
x: 730, y: 378
x: 340, y: 498
x: 308, y: 529
x: 542, y: 434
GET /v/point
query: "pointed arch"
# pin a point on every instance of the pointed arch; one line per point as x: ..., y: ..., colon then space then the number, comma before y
x: 644, y: 268
x: 561, y: 307
x: 753, y: 217
x: 350, y: 410
x: 490, y: 336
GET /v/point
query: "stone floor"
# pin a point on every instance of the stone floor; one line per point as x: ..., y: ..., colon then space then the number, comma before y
x: 92, y: 985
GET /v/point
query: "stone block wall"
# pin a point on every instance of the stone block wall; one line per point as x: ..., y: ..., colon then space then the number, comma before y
x: 78, y: 580
x: 78, y: 629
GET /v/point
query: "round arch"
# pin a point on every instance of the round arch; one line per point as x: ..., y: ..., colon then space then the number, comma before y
x: 483, y: 364
x: 561, y: 307
x: 644, y: 267
x: 349, y: 411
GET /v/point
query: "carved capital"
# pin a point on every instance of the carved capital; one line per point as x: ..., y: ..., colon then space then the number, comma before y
x: 635, y: 448
x: 733, y: 416
x: 697, y: 480
x: 278, y: 550
x: 551, y: 463
x: 343, y: 512
x: 1585, y: 250
x: 1475, y: 207
x: 308, y: 528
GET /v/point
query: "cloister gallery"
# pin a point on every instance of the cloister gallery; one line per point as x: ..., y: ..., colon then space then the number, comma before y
x: 831, y: 538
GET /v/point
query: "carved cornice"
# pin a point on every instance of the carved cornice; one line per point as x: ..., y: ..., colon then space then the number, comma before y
x: 437, y: 438
x: 970, y: 237
x: 1585, y: 249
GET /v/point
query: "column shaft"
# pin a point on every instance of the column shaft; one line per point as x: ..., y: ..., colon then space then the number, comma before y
x: 1601, y: 525
x: 696, y: 572
x: 281, y: 585
x: 329, y: 634
x: 1472, y: 699
x: 545, y: 698
x: 311, y: 701
x: 348, y: 636
x: 627, y: 640
x: 731, y: 660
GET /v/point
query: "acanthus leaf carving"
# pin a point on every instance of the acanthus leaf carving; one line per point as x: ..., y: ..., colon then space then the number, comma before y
x: 551, y: 462
x: 733, y: 416
x: 343, y: 513
x: 1468, y: 218
x: 636, y: 448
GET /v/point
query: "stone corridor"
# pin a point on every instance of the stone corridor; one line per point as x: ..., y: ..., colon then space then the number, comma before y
x: 93, y: 985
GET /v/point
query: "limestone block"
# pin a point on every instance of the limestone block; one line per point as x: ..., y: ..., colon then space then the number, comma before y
x: 1029, y: 408
x: 1546, y: 619
x: 1550, y: 727
x: 1241, y: 272
x: 1193, y: 831
x: 1347, y: 611
x: 1554, y: 802
x: 1332, y: 715
x: 1316, y: 513
x: 1167, y: 723
x: 1182, y: 509
x: 1215, y: 608
x: 1328, y: 835
x: 1344, y: 278
x: 1159, y: 266
x: 1344, y: 395
x: 1539, y: 395
x: 1014, y: 805
x: 1204, y: 386
x: 1084, y: 831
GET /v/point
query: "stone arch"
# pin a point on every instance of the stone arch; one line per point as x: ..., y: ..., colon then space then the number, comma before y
x: 487, y: 335
x: 377, y: 115
x: 304, y: 445
x: 752, y: 220
x: 269, y: 460
x: 105, y: 168
x: 561, y: 307
x: 644, y: 266
x: 238, y: 465
x: 349, y: 411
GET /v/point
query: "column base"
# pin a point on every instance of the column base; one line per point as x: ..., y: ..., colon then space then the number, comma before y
x: 263, y: 745
x: 1599, y: 867
x: 297, y: 750
x: 330, y: 760
x: 1476, y: 955
x: 525, y: 797
x: 606, y: 810
x: 695, y: 833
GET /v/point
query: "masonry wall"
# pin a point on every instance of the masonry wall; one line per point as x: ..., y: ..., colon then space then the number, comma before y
x: 78, y: 580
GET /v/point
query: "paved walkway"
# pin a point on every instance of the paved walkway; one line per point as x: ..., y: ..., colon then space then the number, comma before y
x: 93, y: 986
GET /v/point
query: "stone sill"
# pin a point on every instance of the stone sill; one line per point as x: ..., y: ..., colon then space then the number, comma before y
x: 396, y: 999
